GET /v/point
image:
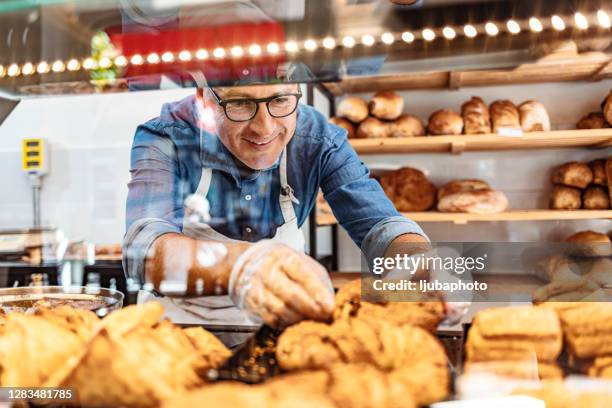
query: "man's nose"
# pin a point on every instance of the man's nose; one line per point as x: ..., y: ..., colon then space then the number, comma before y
x: 263, y: 122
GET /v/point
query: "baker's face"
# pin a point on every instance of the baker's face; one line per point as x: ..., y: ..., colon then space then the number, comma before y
x: 258, y: 142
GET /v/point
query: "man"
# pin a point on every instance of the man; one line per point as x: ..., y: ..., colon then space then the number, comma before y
x: 259, y: 158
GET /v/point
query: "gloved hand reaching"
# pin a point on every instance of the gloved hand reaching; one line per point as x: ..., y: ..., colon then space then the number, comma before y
x: 280, y: 285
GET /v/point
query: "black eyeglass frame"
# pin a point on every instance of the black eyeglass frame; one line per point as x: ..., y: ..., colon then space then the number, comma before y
x: 223, y: 104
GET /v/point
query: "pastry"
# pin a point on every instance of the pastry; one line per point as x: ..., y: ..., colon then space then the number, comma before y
x: 476, y: 117
x: 595, y: 198
x: 565, y: 198
x: 588, y: 329
x: 504, y: 115
x: 483, y: 201
x: 406, y: 126
x: 521, y: 369
x: 409, y: 189
x: 445, y: 122
x: 460, y: 186
x: 353, y: 108
x: 534, y: 117
x: 598, y: 167
x: 606, y: 108
x: 572, y: 174
x: 593, y: 120
x: 372, y: 128
x: 589, y: 243
x: 386, y: 105
x: 344, y: 124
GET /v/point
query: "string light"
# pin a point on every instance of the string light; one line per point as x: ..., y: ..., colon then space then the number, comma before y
x: 184, y: 56
x: 367, y: 40
x: 219, y: 52
x: 535, y: 25
x: 27, y: 69
x: 348, y: 42
x: 237, y: 51
x: 513, y: 27
x: 105, y: 62
x: 291, y: 46
x: 89, y: 63
x: 153, y: 58
x: 201, y: 54
x: 470, y: 31
x: 407, y: 37
x: 58, y: 66
x: 254, y: 50
x: 73, y: 65
x: 557, y: 23
x: 329, y: 43
x: 428, y: 34
x: 310, y: 45
x: 121, y: 61
x: 167, y: 57
x: 43, y: 67
x: 2, y: 71
x: 13, y: 70
x: 387, y: 38
x: 491, y: 29
x: 449, y: 33
x: 136, y: 59
x: 273, y: 48
x: 581, y: 21
x: 603, y: 19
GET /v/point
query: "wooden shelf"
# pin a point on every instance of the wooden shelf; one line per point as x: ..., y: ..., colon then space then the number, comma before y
x: 513, y: 215
x: 591, y: 66
x: 590, y: 138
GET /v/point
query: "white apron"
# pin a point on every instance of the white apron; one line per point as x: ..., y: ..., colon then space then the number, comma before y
x: 220, y: 310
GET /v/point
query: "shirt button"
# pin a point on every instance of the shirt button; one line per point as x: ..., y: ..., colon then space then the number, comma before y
x: 247, y: 197
x: 248, y: 229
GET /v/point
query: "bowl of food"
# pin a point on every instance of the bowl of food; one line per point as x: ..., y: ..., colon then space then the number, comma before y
x: 28, y: 299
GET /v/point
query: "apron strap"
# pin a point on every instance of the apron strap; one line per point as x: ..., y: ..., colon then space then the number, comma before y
x: 286, y: 197
x: 204, y: 184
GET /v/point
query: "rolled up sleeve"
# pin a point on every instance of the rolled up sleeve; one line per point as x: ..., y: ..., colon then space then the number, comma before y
x: 359, y: 202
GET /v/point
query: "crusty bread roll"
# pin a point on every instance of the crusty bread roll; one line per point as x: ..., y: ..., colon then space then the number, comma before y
x: 372, y: 128
x: 445, y: 122
x: 606, y: 108
x: 534, y: 117
x: 344, y: 124
x: 565, y: 198
x: 593, y: 120
x: 409, y: 189
x: 386, y: 105
x: 457, y: 186
x: 572, y: 174
x: 476, y: 119
x: 595, y: 198
x: 590, y: 243
x: 504, y: 115
x: 589, y: 237
x: 353, y: 108
x: 483, y: 201
x: 598, y: 167
x: 406, y: 126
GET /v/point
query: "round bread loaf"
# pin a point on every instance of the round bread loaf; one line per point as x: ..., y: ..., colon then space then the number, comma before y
x: 476, y: 117
x: 593, y: 120
x: 595, y: 198
x: 534, y: 117
x: 386, y: 105
x: 590, y: 243
x: 344, y: 124
x: 457, y: 186
x: 606, y: 108
x: 589, y: 237
x: 598, y: 167
x: 572, y: 174
x: 409, y: 189
x: 372, y: 128
x: 406, y: 126
x: 504, y: 115
x: 353, y: 108
x: 565, y: 198
x: 482, y: 201
x: 445, y: 122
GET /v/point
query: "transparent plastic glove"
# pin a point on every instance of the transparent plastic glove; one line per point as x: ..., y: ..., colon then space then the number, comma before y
x: 280, y: 285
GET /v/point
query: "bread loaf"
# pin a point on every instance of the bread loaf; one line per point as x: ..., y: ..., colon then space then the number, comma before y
x: 606, y: 108
x: 593, y: 120
x: 344, y: 124
x: 504, y: 115
x: 409, y: 189
x: 476, y: 119
x: 565, y: 198
x: 590, y: 244
x: 445, y: 122
x: 353, y: 108
x: 372, y: 128
x: 598, y: 167
x: 406, y: 126
x: 534, y: 117
x: 386, y: 105
x: 595, y: 198
x: 458, y: 186
x: 484, y: 201
x: 572, y: 174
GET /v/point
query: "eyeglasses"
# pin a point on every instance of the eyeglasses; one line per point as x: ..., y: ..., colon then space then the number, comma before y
x: 245, y: 109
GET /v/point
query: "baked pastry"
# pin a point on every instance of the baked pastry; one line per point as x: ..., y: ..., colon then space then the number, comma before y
x: 572, y: 174
x: 593, y: 120
x: 588, y: 329
x: 476, y: 119
x: 565, y: 198
x: 471, y: 196
x: 598, y: 167
x: 409, y: 189
x: 589, y: 243
x: 344, y: 124
x: 521, y: 369
x: 406, y: 126
x: 595, y: 198
x: 504, y: 115
x: 459, y: 186
x: 353, y: 108
x: 601, y: 367
x: 606, y: 108
x: 445, y: 122
x: 386, y: 105
x: 534, y: 117
x: 372, y: 128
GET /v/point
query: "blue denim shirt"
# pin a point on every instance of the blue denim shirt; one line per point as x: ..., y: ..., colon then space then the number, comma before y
x: 166, y: 166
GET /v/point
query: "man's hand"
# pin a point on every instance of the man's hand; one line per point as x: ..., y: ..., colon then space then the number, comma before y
x: 280, y: 285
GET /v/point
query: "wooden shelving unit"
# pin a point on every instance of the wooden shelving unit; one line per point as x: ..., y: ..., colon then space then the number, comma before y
x: 513, y: 215
x: 591, y: 138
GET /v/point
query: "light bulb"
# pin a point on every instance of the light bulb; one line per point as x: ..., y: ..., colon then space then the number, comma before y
x: 310, y: 45
x: 407, y: 36
x: 348, y: 42
x: 329, y: 43
x: 153, y: 58
x: 273, y: 48
x: 513, y: 27
x: 43, y: 67
x: 449, y: 33
x: 491, y: 29
x: 136, y: 59
x: 535, y: 25
x: 2, y: 71
x: 387, y: 38
x: 557, y: 23
x: 254, y: 50
x: 167, y: 57
x: 13, y: 70
x: 201, y: 54
x: 89, y: 63
x: 367, y: 40
x: 58, y: 66
x: 428, y: 34
x: 291, y: 46
x: 470, y: 31
x: 236, y: 51
x: 121, y: 61
x: 219, y: 52
x: 184, y: 56
x: 581, y: 21
x: 27, y: 69
x: 73, y: 65
x: 603, y: 19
